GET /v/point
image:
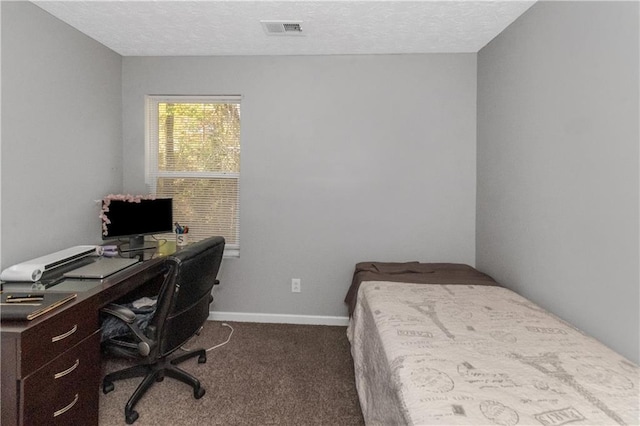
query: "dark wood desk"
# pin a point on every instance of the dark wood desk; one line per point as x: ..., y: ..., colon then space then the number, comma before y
x: 51, y: 370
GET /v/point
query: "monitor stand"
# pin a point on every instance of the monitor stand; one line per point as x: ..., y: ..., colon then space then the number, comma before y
x: 137, y: 243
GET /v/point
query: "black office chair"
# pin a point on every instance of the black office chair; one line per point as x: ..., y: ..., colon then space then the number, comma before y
x: 181, y: 309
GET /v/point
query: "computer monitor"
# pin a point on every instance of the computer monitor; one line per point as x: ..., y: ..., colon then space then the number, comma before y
x: 135, y: 219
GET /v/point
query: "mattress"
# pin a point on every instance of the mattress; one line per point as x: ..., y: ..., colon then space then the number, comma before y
x: 472, y: 354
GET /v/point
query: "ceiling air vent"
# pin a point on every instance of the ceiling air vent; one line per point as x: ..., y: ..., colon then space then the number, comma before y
x: 282, y: 27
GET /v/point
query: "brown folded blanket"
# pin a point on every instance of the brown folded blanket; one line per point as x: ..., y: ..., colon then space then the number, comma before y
x: 414, y: 272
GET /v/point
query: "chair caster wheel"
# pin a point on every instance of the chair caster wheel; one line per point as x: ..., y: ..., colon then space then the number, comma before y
x: 107, y: 387
x: 202, y: 359
x: 198, y: 393
x: 131, y: 417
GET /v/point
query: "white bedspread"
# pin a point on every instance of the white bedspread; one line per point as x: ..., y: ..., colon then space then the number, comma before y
x: 458, y: 354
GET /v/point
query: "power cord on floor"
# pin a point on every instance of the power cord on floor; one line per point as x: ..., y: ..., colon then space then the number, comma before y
x: 219, y: 344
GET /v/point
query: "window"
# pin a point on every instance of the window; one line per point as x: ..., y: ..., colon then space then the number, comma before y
x: 193, y: 156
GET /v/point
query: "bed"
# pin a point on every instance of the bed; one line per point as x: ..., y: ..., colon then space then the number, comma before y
x: 444, y: 344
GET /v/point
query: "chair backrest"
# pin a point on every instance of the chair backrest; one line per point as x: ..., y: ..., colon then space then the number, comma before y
x: 183, y: 301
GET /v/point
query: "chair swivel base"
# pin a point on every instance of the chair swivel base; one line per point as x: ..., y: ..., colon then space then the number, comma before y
x: 154, y: 372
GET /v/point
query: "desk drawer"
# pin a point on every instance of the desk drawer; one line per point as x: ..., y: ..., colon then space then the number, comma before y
x: 48, y: 339
x: 66, y: 390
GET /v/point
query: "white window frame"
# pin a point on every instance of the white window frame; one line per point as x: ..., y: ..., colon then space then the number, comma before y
x: 152, y: 149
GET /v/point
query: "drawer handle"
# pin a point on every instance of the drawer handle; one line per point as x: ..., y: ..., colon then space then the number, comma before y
x: 65, y: 335
x: 67, y: 371
x: 67, y: 408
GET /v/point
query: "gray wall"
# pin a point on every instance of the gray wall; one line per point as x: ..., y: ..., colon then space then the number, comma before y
x: 61, y: 133
x: 344, y: 159
x: 557, y: 208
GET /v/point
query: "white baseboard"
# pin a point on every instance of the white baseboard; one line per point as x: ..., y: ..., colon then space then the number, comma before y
x: 278, y: 318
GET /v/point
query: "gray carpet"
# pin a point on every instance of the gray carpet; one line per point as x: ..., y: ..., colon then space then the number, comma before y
x: 268, y: 374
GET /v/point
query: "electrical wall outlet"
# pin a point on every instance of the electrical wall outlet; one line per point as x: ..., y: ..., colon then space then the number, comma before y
x: 295, y: 285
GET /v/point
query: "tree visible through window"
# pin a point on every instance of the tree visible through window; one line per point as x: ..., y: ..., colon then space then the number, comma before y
x: 193, y: 156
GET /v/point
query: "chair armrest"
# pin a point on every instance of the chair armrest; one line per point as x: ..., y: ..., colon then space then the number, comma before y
x: 128, y: 317
x: 120, y: 312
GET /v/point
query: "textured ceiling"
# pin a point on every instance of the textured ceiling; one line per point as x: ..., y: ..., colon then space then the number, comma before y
x: 199, y: 28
